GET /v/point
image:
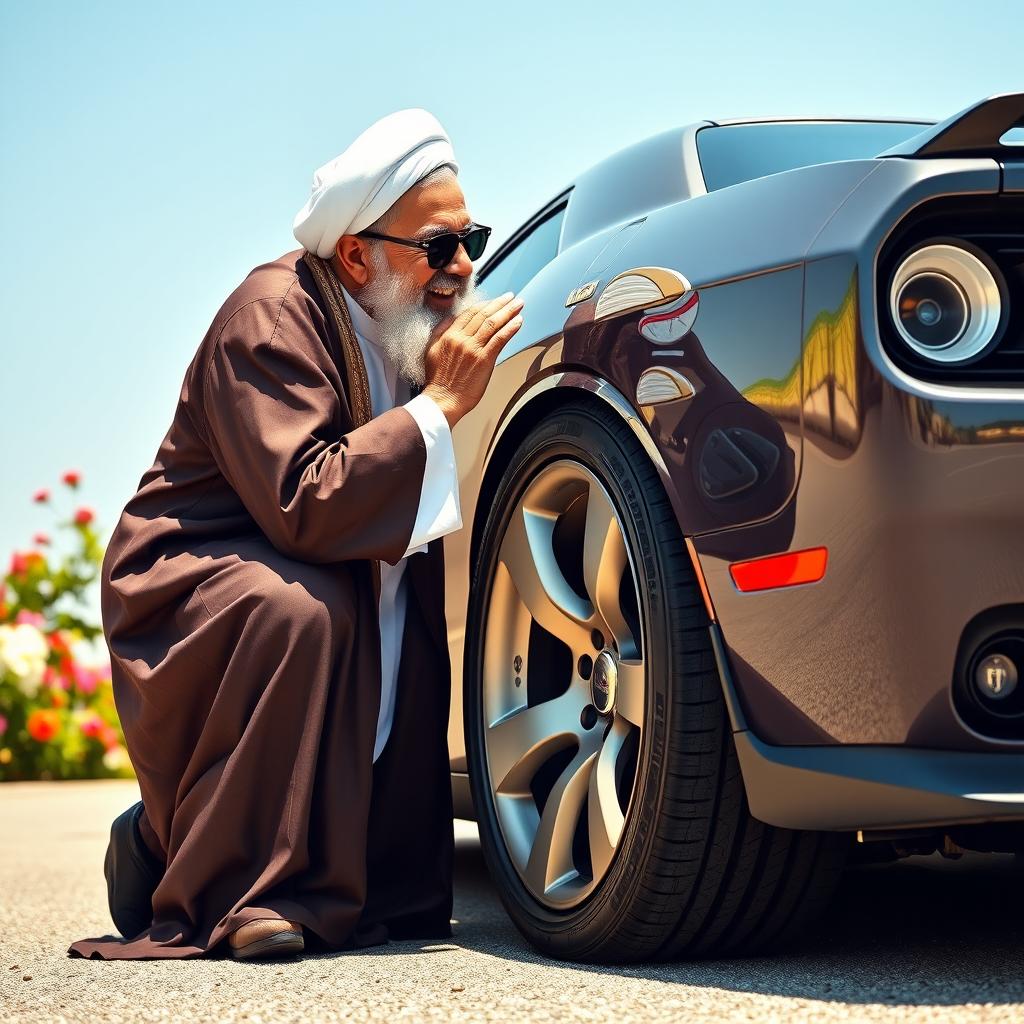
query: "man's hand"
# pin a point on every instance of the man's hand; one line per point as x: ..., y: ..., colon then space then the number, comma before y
x: 461, y: 355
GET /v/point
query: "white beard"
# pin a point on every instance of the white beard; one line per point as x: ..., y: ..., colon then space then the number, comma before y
x: 404, y: 320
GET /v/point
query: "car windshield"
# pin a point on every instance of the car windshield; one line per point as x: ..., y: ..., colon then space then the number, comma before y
x: 730, y: 154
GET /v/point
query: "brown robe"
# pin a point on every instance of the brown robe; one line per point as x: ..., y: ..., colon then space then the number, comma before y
x: 239, y: 596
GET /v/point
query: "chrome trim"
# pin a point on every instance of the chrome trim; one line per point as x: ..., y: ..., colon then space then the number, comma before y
x: 559, y: 203
x: 659, y: 384
x: 640, y: 288
x: 693, y: 173
x: 603, y: 390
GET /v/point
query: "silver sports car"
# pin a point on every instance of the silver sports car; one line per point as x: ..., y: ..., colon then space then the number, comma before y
x: 740, y: 593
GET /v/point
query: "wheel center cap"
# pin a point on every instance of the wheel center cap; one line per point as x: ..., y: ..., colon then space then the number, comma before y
x: 603, y: 682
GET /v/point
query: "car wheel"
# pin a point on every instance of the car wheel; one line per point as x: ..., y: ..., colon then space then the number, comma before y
x: 609, y: 799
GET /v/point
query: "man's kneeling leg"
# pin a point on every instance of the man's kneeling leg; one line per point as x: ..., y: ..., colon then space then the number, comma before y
x: 132, y: 873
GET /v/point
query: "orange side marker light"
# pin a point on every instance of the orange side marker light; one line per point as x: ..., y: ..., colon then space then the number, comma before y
x: 775, y: 571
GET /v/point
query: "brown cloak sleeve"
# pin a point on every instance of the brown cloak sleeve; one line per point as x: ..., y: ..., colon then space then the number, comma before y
x: 276, y: 427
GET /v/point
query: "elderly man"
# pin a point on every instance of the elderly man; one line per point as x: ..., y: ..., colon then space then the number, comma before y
x: 272, y: 594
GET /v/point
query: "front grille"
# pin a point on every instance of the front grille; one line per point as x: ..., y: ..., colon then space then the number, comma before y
x: 995, y: 224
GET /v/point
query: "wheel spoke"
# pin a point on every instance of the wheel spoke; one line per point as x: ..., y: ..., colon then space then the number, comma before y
x: 630, y: 689
x: 528, y: 554
x: 604, y: 561
x: 564, y: 528
x: 604, y: 815
x: 520, y: 741
x: 550, y: 861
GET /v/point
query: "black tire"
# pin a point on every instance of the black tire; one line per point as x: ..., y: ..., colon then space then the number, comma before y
x: 694, y: 874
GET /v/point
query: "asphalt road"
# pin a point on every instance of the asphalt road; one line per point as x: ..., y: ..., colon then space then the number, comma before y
x: 922, y: 940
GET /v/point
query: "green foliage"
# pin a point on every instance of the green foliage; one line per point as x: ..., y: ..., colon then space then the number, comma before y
x: 57, y: 713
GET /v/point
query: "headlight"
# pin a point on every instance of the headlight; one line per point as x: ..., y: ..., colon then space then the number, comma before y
x: 945, y: 303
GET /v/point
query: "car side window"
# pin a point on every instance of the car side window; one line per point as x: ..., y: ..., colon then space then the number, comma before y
x: 512, y: 272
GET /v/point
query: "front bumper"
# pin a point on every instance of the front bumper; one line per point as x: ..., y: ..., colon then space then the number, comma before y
x: 851, y: 788
x: 860, y: 787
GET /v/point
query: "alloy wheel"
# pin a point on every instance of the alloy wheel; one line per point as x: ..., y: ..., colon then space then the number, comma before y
x: 564, y: 683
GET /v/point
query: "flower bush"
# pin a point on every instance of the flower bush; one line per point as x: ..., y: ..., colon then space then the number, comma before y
x: 57, y: 714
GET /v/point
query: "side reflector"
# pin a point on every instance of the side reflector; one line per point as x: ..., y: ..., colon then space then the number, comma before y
x: 780, y: 570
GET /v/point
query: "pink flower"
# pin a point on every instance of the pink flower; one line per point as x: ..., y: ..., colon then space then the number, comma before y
x: 36, y: 619
x: 85, y: 679
x: 41, y: 495
x: 3, y: 725
x: 84, y: 516
x: 41, y: 538
x: 72, y: 477
x: 92, y: 726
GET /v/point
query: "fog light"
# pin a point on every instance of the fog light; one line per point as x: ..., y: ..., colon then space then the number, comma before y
x: 995, y: 677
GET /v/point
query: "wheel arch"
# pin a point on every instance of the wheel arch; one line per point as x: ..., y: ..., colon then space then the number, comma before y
x: 541, y: 398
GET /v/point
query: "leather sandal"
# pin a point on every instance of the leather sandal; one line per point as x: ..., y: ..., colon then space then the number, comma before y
x: 266, y: 937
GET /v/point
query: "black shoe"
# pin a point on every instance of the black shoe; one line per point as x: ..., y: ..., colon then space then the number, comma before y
x: 132, y: 874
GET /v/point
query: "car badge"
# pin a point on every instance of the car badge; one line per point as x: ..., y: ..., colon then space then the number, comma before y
x: 579, y: 294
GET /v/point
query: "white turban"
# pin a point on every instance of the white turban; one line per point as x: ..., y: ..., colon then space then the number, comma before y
x: 383, y: 163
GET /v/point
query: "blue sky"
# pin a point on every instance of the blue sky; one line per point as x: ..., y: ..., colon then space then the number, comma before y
x: 152, y: 154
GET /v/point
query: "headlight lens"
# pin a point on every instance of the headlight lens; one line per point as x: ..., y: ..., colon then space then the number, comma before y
x: 945, y: 303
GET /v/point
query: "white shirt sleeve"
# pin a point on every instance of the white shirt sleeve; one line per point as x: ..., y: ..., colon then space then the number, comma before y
x: 439, y: 512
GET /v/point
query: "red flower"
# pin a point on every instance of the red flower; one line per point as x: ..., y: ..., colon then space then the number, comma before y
x: 41, y: 538
x: 41, y: 495
x: 108, y: 737
x: 57, y: 641
x: 71, y: 477
x: 43, y: 724
x: 22, y: 561
x: 84, y: 516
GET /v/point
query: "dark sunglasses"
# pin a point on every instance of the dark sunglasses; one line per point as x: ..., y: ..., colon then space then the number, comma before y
x: 441, y: 249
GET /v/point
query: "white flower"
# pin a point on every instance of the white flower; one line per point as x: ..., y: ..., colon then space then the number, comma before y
x: 23, y: 651
x: 116, y: 758
x: 89, y: 653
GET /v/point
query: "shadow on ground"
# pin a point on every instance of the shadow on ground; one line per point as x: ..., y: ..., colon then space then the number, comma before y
x: 922, y: 932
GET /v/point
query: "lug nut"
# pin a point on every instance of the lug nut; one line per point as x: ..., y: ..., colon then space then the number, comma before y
x: 597, y: 639
x: 588, y: 717
x: 585, y: 666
